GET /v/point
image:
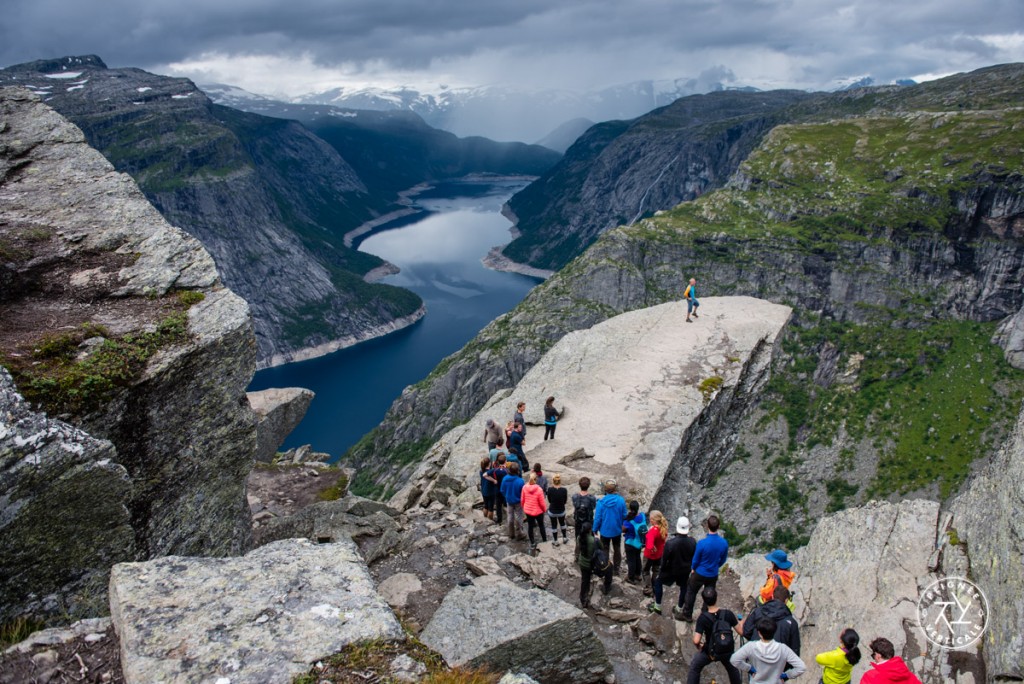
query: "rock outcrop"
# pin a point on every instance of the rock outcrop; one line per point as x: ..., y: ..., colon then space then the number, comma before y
x: 549, y: 641
x: 278, y: 412
x: 986, y: 518
x: 264, y: 617
x: 161, y: 375
x: 643, y: 394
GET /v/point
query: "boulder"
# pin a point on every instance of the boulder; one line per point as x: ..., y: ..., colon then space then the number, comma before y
x: 397, y: 588
x: 263, y: 617
x: 1010, y: 336
x: 350, y: 517
x: 541, y: 635
x: 278, y: 412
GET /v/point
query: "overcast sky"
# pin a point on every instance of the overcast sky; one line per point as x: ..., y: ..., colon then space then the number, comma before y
x: 297, y: 46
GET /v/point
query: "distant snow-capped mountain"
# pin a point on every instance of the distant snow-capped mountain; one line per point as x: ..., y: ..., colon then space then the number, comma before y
x: 854, y: 82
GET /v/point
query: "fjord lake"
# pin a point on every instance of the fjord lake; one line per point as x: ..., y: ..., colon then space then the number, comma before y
x: 438, y: 251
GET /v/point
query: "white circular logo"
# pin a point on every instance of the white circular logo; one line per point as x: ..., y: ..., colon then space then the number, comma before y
x: 953, y: 612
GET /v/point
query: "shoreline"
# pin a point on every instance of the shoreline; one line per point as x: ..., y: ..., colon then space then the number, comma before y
x: 496, y: 261
x: 405, y: 198
x: 326, y: 348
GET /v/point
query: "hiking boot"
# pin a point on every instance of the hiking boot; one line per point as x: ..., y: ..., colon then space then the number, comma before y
x: 554, y: 542
x: 648, y: 591
x: 689, y: 320
x: 654, y: 608
x: 677, y: 613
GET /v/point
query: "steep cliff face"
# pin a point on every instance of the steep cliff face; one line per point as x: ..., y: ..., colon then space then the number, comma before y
x: 268, y: 199
x: 891, y: 221
x: 116, y: 322
x: 620, y: 171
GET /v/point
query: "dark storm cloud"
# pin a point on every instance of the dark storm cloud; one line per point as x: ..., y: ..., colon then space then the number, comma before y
x: 797, y: 42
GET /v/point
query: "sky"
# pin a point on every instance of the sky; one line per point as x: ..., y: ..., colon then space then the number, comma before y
x: 290, y: 48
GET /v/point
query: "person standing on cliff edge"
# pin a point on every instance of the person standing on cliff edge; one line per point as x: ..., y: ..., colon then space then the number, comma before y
x: 692, y: 304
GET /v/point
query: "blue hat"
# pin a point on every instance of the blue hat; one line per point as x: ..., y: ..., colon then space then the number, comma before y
x: 778, y: 556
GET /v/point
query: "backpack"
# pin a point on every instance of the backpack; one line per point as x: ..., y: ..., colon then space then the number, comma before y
x: 599, y: 562
x: 584, y: 512
x: 722, y: 643
x: 639, y: 534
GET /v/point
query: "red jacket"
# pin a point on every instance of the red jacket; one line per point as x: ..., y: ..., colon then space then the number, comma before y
x: 654, y: 545
x: 892, y: 671
x: 533, y: 500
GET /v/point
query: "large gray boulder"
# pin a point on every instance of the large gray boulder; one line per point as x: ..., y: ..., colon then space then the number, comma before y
x: 540, y: 635
x: 1010, y: 336
x: 264, y: 617
x: 987, y: 518
x: 278, y: 412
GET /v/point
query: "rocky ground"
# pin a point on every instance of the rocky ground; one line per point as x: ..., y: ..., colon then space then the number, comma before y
x: 87, y: 653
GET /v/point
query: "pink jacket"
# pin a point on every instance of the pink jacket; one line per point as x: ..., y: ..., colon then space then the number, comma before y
x: 533, y: 500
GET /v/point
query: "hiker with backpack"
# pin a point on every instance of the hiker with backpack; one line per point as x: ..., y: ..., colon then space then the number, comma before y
x: 777, y: 573
x: 512, y: 490
x: 787, y: 630
x: 714, y: 634
x: 675, y: 566
x: 498, y: 472
x: 609, y: 515
x: 634, y: 533
x: 583, y: 505
x: 654, y: 548
x: 765, y: 659
x: 534, y: 507
x: 837, y: 665
x: 557, y: 496
x: 488, y: 487
x: 690, y: 294
x: 592, y: 560
x: 542, y: 479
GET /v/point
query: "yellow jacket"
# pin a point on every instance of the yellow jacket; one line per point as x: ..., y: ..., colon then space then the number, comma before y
x: 837, y: 668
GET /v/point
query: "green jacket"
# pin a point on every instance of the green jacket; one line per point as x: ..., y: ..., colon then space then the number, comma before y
x: 587, y: 546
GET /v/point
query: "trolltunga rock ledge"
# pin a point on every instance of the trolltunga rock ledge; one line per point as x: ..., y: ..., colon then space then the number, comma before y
x: 264, y: 617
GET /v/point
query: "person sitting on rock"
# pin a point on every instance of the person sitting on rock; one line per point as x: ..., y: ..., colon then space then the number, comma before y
x: 498, y: 471
x: 511, y: 489
x: 557, y: 498
x: 837, y: 665
x: 654, y: 548
x: 590, y: 557
x: 534, y: 507
x: 706, y: 638
x: 634, y: 533
x: 886, y: 666
x: 584, y: 503
x: 675, y: 566
x: 787, y: 630
x: 492, y: 434
x: 765, y: 659
x: 488, y: 485
x: 608, y: 518
x: 777, y: 573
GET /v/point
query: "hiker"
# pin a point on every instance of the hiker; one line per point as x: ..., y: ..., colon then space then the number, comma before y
x: 608, y: 518
x: 492, y: 434
x: 487, y: 487
x: 675, y: 566
x: 583, y: 505
x: 517, y: 417
x: 534, y: 507
x: 550, y: 418
x: 634, y: 533
x: 690, y: 294
x: 713, y: 635
x: 508, y: 430
x: 593, y: 560
x: 765, y: 659
x: 557, y: 496
x: 498, y: 472
x: 542, y: 479
x: 787, y: 630
x: 837, y: 665
x: 511, y: 489
x: 654, y: 547
x: 711, y: 554
x: 886, y: 666
x: 777, y: 573
x: 515, y: 446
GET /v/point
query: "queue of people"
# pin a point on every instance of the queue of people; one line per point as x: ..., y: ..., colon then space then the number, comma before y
x: 603, y: 525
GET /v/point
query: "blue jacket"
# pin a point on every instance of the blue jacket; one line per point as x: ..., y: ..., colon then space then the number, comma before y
x: 512, y: 489
x: 515, y: 443
x: 487, y: 488
x: 711, y: 554
x: 609, y: 515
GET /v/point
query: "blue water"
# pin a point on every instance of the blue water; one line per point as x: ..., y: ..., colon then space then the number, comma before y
x: 439, y: 255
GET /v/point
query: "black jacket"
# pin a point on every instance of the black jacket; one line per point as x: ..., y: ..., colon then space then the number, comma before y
x: 786, y: 630
x: 678, y: 557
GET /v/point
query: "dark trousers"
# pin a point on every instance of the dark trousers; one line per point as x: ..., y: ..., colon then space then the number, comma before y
x: 659, y: 587
x: 499, y: 508
x: 701, y: 660
x: 613, y: 542
x: 536, y: 521
x: 549, y: 431
x: 633, y: 562
x: 651, y: 567
x: 585, y: 574
x: 694, y: 586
